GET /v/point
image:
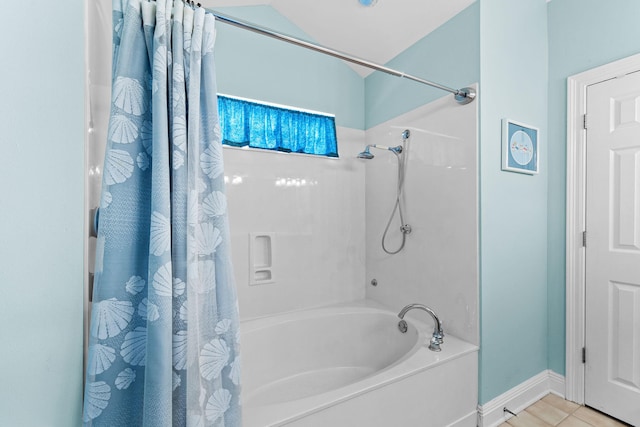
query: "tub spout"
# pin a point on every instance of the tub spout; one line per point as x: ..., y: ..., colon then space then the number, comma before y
x: 437, y: 337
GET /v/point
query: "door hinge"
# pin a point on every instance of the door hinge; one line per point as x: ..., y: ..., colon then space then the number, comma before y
x: 584, y: 121
x: 90, y: 290
x: 584, y: 239
x: 584, y: 355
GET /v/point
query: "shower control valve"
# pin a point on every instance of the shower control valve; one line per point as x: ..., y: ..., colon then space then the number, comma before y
x: 406, y: 229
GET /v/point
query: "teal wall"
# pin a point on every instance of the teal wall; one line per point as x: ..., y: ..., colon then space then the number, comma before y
x: 41, y: 213
x: 583, y: 34
x: 513, y: 207
x: 258, y: 67
x: 448, y: 55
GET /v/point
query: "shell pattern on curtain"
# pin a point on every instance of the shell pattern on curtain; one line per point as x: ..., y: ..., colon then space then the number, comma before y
x: 163, y: 348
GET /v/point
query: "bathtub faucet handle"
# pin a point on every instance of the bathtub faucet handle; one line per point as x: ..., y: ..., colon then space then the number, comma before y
x: 402, y: 325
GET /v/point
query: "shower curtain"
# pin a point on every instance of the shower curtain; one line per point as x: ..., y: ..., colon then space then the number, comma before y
x: 163, y: 348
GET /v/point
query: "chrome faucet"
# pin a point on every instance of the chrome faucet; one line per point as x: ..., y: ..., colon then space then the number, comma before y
x: 438, y: 334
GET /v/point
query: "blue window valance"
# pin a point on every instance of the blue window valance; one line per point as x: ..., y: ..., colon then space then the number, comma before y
x: 248, y: 123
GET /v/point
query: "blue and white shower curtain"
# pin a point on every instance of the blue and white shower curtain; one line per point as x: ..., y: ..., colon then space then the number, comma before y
x: 163, y: 347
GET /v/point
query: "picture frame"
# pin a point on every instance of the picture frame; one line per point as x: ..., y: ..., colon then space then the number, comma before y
x: 520, y: 147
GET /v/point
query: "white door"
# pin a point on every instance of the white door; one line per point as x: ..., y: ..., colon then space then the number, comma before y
x: 612, y: 372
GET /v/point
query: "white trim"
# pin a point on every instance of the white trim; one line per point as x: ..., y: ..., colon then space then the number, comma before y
x: 576, y: 108
x: 557, y: 384
x: 491, y: 414
x: 281, y: 153
x: 575, y: 216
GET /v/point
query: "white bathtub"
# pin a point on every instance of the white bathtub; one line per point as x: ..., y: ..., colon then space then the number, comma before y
x: 350, y: 366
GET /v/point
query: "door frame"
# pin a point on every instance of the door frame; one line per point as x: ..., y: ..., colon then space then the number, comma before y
x: 575, y: 216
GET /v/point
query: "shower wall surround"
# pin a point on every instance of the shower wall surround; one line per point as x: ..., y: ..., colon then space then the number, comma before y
x: 439, y: 263
x: 313, y: 208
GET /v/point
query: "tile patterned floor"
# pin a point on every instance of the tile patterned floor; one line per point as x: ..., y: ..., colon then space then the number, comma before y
x: 552, y: 411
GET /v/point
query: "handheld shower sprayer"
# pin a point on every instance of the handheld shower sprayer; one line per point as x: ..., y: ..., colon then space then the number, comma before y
x: 397, y: 150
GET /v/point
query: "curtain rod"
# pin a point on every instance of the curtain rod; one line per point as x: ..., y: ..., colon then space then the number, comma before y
x: 462, y: 96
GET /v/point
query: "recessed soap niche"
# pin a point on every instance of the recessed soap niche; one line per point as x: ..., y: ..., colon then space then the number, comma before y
x: 261, y: 258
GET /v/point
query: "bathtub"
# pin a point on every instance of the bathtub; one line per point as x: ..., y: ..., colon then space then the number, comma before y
x: 350, y: 366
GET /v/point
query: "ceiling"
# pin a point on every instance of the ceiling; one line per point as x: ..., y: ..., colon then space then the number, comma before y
x: 377, y: 33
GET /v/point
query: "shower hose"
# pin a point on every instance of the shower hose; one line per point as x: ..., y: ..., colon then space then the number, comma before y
x: 404, y: 228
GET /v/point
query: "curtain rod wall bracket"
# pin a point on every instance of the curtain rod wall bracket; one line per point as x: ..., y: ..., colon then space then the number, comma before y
x: 465, y: 95
x: 462, y: 96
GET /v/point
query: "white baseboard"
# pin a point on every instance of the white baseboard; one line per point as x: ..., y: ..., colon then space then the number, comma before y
x: 492, y: 414
x: 556, y: 384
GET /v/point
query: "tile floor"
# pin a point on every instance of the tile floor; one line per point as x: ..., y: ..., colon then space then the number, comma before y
x: 552, y: 410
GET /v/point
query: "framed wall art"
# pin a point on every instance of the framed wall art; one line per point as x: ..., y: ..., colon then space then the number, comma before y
x: 520, y: 144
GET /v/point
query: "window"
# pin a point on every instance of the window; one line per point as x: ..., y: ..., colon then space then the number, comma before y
x: 257, y: 125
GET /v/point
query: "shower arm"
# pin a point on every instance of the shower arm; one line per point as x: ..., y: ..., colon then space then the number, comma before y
x: 462, y: 96
x: 396, y: 149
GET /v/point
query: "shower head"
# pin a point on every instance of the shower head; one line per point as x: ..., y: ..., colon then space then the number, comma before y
x: 366, y: 154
